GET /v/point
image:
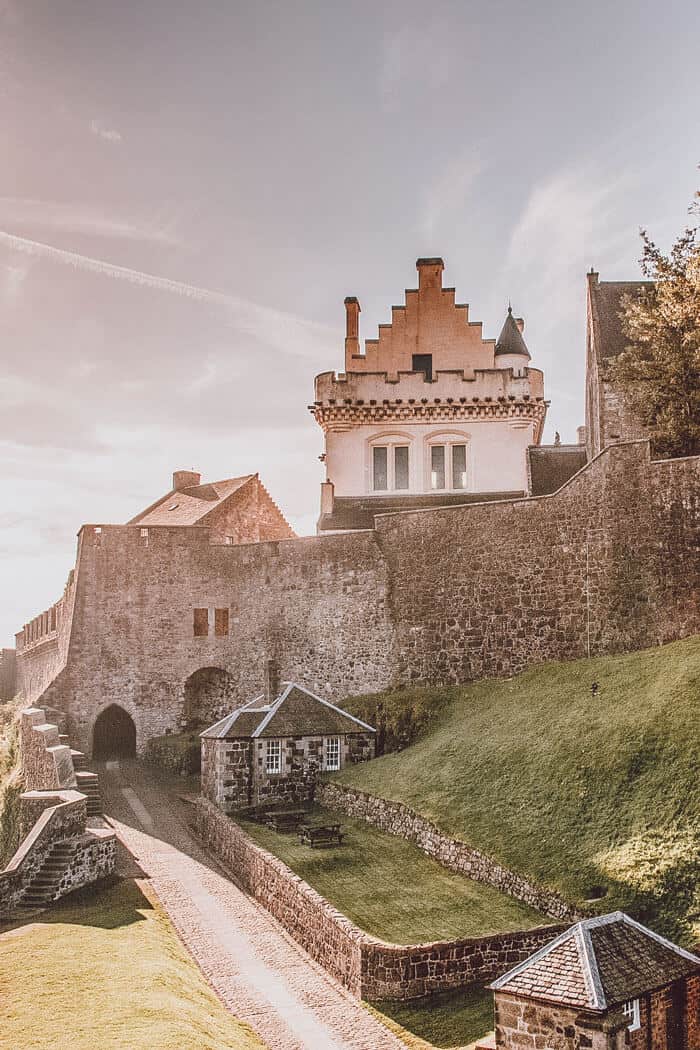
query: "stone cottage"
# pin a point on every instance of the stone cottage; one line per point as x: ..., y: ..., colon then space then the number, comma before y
x: 271, y: 749
x: 605, y: 983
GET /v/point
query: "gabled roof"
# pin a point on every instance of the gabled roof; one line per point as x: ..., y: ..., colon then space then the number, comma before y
x: 189, y: 506
x: 599, y: 963
x: 295, y: 712
x: 511, y: 341
x: 606, y: 302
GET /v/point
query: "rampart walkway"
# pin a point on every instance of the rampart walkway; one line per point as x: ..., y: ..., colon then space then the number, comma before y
x: 254, y: 966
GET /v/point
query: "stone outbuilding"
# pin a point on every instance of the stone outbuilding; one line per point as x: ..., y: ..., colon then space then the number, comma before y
x: 605, y: 983
x: 271, y: 749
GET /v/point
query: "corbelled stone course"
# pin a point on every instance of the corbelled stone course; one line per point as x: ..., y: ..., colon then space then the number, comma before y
x: 368, y: 967
x: 399, y: 819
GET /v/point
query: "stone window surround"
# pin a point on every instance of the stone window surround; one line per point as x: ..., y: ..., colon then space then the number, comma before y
x: 390, y: 440
x: 273, y: 757
x: 447, y: 439
x: 217, y: 624
x: 336, y: 752
x: 422, y: 483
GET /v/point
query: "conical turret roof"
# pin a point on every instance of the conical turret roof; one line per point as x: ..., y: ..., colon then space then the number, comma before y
x: 511, y: 341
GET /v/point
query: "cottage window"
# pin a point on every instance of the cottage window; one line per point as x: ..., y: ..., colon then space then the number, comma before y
x: 332, y: 749
x: 630, y: 1011
x: 273, y: 756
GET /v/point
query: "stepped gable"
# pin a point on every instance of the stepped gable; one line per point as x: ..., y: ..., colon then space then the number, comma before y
x: 511, y: 341
x: 295, y: 712
x: 599, y: 963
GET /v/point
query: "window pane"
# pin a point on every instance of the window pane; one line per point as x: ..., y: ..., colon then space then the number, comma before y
x: 459, y: 466
x: 401, y: 467
x: 273, y: 763
x: 437, y: 467
x: 333, y: 752
x: 379, y: 465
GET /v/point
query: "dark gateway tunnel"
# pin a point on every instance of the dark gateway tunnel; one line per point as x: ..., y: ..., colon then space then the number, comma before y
x: 114, y: 734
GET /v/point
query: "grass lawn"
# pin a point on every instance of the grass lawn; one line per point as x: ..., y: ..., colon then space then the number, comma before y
x: 392, y: 890
x: 578, y: 792
x: 108, y: 971
x: 453, y: 1019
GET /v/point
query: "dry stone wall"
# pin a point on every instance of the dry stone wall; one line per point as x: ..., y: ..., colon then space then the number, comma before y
x: 398, y: 819
x: 368, y: 967
x: 609, y: 563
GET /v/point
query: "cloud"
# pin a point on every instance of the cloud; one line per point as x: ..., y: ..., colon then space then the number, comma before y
x: 448, y: 191
x: 416, y: 57
x: 108, y: 134
x: 74, y: 218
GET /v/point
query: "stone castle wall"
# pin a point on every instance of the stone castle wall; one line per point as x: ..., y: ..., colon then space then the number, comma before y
x: 366, y: 966
x: 398, y: 819
x: 607, y: 564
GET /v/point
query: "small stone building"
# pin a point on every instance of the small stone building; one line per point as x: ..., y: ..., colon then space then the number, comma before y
x: 272, y: 748
x: 605, y: 983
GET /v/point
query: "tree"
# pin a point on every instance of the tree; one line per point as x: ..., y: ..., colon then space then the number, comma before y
x: 658, y: 373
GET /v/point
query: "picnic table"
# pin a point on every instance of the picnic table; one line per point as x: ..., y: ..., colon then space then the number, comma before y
x: 284, y: 819
x: 320, y: 834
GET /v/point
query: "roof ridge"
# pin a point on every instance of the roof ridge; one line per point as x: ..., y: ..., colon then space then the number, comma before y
x: 589, y: 967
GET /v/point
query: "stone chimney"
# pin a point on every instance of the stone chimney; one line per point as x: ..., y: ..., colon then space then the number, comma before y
x: 429, y: 273
x: 185, y: 479
x: 272, y: 681
x: 581, y: 435
x: 352, y: 330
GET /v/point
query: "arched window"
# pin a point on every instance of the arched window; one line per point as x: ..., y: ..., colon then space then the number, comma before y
x: 390, y: 463
x: 447, y: 468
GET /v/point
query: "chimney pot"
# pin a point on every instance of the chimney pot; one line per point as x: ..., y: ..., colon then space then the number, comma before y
x: 185, y: 479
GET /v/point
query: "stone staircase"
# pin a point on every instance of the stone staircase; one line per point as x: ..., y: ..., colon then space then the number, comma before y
x: 44, y: 886
x: 89, y: 784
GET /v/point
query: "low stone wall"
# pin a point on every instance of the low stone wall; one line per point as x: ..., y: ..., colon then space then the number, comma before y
x: 399, y: 819
x: 47, y: 764
x: 368, y: 967
x: 94, y: 857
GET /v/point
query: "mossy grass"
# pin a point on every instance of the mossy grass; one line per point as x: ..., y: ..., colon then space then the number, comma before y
x: 106, y: 969
x: 452, y: 1019
x: 390, y: 889
x: 588, y: 791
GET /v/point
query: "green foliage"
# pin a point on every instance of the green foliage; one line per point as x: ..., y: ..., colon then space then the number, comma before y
x: 659, y: 372
x: 401, y: 716
x: 451, y: 1019
x: 392, y: 890
x: 577, y: 792
x: 177, y: 753
x: 10, y: 781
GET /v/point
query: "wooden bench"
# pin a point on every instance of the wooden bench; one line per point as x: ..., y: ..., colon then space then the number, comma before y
x: 321, y: 834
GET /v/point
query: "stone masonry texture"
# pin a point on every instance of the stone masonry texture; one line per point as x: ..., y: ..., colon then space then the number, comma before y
x: 609, y: 563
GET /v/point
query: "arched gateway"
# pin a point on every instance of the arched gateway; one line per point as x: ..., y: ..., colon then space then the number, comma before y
x: 114, y: 734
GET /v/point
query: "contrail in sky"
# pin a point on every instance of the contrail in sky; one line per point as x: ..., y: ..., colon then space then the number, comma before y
x: 285, y: 331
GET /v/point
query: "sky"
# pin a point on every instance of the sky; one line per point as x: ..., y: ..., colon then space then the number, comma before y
x: 189, y: 191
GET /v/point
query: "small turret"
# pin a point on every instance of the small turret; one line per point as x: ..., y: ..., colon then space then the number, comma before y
x: 511, y: 349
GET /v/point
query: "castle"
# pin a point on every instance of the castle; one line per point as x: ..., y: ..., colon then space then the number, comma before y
x: 452, y: 545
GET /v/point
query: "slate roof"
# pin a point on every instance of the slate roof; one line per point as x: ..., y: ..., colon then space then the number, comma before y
x: 295, y: 712
x: 599, y: 963
x: 606, y: 299
x: 551, y: 466
x: 190, y: 505
x: 357, y: 512
x: 511, y: 341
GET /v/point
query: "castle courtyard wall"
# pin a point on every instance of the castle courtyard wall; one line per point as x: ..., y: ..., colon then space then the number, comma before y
x: 609, y: 563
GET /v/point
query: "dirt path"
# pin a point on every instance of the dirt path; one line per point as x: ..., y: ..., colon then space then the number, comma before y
x: 261, y: 974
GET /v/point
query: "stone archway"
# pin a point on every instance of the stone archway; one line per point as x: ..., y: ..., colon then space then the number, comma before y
x: 209, y: 695
x: 114, y: 734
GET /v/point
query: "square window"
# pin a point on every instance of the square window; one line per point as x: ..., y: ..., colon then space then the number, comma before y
x: 220, y: 622
x: 401, y: 467
x: 437, y: 467
x: 332, y: 752
x: 380, y: 475
x: 630, y: 1011
x: 273, y: 756
x: 201, y: 623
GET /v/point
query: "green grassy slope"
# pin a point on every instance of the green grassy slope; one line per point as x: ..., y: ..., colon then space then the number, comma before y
x: 575, y: 791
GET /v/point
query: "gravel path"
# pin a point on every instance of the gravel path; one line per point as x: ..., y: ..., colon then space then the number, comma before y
x: 258, y: 971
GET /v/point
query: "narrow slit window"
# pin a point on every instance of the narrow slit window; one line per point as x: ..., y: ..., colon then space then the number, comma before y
x: 459, y: 466
x: 332, y: 752
x: 380, y: 476
x: 437, y: 467
x: 220, y: 622
x: 401, y: 467
x: 201, y: 623
x: 273, y: 756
